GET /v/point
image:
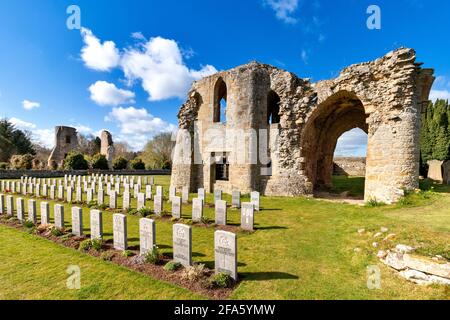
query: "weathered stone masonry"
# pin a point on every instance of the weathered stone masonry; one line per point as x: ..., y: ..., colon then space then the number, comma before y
x: 383, y: 97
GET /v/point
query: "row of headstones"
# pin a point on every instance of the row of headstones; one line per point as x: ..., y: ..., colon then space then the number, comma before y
x: 225, y: 243
x: 221, y: 208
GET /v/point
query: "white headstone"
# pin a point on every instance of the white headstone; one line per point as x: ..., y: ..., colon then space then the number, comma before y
x: 185, y: 195
x: 113, y: 200
x: 20, y: 204
x: 176, y: 207
x: 96, y: 225
x: 221, y: 212
x: 225, y: 248
x: 182, y: 244
x: 45, y: 213
x: 140, y: 201
x: 59, y: 216
x: 77, y: 221
x: 201, y: 194
x: 158, y: 205
x: 100, y: 197
x: 172, y: 193
x: 255, y: 199
x: 32, y: 214
x: 217, y: 195
x: 197, y: 210
x: 120, y: 232
x: 126, y: 200
x: 236, y: 199
x: 147, y: 235
x: 148, y: 192
x: 247, y: 216
x: 9, y: 205
x: 2, y: 203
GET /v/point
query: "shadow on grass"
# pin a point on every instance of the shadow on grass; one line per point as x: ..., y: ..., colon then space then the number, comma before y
x: 271, y: 228
x: 263, y: 276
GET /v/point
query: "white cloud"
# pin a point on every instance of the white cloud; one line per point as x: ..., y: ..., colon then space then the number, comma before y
x: 137, y: 126
x: 23, y: 125
x: 107, y: 94
x: 138, y: 36
x: 284, y: 9
x: 96, y: 55
x: 159, y: 65
x: 352, y: 143
x: 30, y: 105
x: 439, y: 94
x: 44, y: 137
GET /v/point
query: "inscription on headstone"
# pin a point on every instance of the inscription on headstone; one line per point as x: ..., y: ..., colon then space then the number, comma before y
x: 140, y: 201
x: 182, y: 244
x: 225, y: 248
x: 158, y: 205
x: 77, y: 221
x: 147, y: 235
x: 120, y: 232
x: 96, y: 225
x: 247, y: 216
x: 32, y: 213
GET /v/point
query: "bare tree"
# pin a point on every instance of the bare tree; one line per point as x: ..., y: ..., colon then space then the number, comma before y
x: 157, y: 153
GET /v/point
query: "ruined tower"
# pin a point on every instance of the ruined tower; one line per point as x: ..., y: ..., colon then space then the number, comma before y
x: 66, y: 140
x: 107, y: 147
x: 257, y: 127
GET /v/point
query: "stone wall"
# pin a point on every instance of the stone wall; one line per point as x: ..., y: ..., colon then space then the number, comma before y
x: 349, y: 166
x: 107, y: 147
x: 383, y: 97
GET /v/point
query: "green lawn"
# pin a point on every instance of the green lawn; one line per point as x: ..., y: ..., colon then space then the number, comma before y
x: 302, y: 249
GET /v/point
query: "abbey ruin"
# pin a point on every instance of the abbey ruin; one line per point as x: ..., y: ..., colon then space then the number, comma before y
x: 300, y: 123
x: 66, y: 140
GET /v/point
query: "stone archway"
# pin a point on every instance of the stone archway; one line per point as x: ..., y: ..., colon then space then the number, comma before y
x: 338, y: 114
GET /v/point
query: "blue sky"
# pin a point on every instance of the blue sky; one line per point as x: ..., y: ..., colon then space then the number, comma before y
x: 129, y: 67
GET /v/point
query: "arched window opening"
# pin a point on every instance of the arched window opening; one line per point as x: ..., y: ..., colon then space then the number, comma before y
x: 273, y: 108
x: 220, y: 101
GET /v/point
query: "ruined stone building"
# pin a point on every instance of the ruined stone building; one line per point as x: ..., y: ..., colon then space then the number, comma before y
x: 66, y: 140
x: 107, y: 147
x: 304, y: 121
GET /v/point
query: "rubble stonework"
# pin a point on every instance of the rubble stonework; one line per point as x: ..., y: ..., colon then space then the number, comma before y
x: 383, y: 97
x: 107, y: 147
x: 66, y: 140
x: 349, y: 166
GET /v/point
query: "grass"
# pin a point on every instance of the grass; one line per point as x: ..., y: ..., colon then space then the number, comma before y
x: 302, y: 249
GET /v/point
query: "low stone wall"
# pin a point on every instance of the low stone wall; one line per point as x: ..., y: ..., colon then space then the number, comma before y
x: 350, y: 166
x: 16, y: 174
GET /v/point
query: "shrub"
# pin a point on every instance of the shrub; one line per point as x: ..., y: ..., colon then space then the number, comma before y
x: 107, y: 256
x: 56, y: 232
x: 144, y: 212
x: 4, y: 165
x: 99, y: 162
x: 75, y: 161
x: 372, y: 203
x: 221, y: 280
x: 36, y: 164
x: 53, y: 165
x: 29, y: 224
x: 120, y: 164
x: 86, y: 245
x: 127, y: 253
x: 92, y: 204
x: 22, y: 162
x: 194, y: 273
x: 137, y: 164
x: 172, y: 266
x: 97, y: 244
x: 153, y: 256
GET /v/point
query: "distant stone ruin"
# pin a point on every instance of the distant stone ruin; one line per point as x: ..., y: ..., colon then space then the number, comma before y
x: 66, y: 140
x: 107, y: 147
x: 349, y: 166
x: 257, y: 127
